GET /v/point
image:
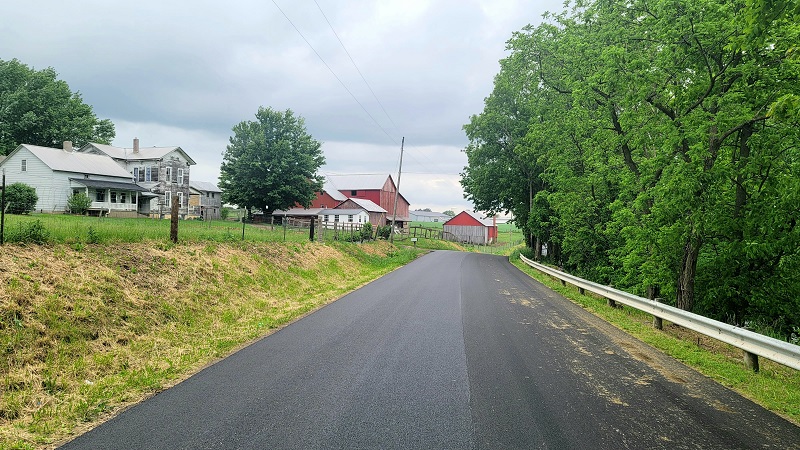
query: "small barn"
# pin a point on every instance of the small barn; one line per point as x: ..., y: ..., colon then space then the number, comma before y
x: 471, y: 228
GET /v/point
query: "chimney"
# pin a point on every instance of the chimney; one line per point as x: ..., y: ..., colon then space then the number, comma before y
x: 135, y: 145
x: 67, y: 146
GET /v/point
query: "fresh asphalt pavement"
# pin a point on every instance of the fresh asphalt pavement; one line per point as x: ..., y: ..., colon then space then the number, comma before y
x: 453, y: 351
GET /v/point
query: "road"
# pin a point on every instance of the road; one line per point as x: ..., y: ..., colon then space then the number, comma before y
x: 453, y: 351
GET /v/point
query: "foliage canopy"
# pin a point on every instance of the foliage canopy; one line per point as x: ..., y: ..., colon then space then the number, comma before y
x: 654, y: 145
x: 39, y: 109
x: 271, y: 163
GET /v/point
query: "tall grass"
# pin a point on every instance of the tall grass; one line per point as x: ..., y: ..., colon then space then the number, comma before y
x: 68, y: 229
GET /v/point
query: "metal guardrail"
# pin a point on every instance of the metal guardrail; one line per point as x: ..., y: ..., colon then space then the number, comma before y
x: 752, y: 343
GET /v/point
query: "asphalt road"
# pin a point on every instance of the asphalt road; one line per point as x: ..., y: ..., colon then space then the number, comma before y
x: 453, y: 351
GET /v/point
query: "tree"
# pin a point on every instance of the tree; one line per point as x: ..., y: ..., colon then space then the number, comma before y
x: 271, y: 163
x: 39, y: 109
x: 450, y: 213
x: 79, y: 203
x: 21, y: 198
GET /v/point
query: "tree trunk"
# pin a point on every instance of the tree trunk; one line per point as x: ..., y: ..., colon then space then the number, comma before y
x: 537, y: 252
x: 688, y: 271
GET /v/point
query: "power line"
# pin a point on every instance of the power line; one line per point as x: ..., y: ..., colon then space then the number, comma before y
x: 334, y: 73
x: 356, y: 66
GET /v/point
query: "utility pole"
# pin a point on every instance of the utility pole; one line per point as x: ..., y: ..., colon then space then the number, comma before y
x: 397, y: 190
x: 3, y: 209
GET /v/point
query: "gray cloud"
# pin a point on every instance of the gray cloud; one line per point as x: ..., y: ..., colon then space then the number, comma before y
x: 184, y: 72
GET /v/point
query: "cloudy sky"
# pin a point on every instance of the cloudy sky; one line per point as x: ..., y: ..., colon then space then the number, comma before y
x: 185, y: 72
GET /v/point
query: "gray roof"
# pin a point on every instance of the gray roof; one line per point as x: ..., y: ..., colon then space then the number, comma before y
x: 358, y: 182
x: 428, y: 214
x: 204, y: 186
x: 64, y: 161
x: 108, y: 184
x: 367, y: 205
x: 332, y: 190
x: 145, y: 153
x: 298, y: 212
x: 341, y: 212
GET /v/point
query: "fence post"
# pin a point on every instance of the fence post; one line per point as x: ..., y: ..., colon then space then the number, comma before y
x: 173, y: 220
x: 751, y: 360
x: 311, y: 228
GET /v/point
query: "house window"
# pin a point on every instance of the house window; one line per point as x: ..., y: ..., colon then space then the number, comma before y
x: 326, y: 218
x: 208, y: 194
x: 353, y: 193
x: 24, y: 166
x: 113, y: 197
x: 350, y: 218
x: 100, y: 196
x: 155, y: 173
x: 180, y: 199
x: 148, y: 172
x: 336, y: 218
x: 122, y: 197
x: 168, y: 199
x: 169, y: 174
x: 136, y: 174
x: 180, y: 176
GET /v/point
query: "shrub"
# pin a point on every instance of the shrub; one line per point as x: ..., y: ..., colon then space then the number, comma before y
x: 79, y: 203
x: 384, y: 232
x: 366, y: 232
x: 21, y: 197
x: 224, y: 213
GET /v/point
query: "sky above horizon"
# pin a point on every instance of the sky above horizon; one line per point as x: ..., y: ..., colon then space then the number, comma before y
x: 184, y: 73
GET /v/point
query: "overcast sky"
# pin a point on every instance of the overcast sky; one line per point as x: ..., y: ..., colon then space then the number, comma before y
x: 185, y: 72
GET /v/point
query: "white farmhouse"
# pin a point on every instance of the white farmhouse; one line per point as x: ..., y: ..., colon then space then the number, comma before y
x: 56, y: 174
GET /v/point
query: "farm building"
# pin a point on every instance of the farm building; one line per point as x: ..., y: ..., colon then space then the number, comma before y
x: 428, y: 216
x: 469, y: 227
x: 205, y: 200
x: 378, y: 189
x: 56, y: 174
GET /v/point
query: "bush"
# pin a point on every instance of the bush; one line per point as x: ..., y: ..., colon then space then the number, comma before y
x: 21, y: 197
x: 366, y: 232
x: 79, y: 203
x: 224, y: 213
x: 384, y: 232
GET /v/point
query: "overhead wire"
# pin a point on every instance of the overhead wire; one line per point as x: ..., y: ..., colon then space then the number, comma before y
x: 356, y: 67
x: 334, y: 73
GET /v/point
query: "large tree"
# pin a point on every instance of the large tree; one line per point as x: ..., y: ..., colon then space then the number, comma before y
x: 39, y: 109
x: 271, y: 163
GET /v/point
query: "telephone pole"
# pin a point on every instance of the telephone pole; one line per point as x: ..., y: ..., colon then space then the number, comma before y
x: 397, y: 190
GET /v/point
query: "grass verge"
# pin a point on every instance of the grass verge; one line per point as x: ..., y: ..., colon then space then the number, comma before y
x: 775, y: 387
x: 87, y: 330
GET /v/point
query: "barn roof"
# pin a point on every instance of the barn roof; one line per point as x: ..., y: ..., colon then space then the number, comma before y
x: 66, y: 161
x: 367, y: 182
x: 333, y: 191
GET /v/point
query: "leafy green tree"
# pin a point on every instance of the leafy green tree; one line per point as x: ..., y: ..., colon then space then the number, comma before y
x: 271, y: 163
x: 20, y: 198
x: 450, y: 213
x: 39, y: 109
x: 79, y: 203
x: 366, y: 232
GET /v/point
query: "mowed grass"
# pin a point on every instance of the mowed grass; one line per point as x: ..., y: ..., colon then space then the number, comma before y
x: 85, y: 331
x: 775, y: 387
x: 70, y: 229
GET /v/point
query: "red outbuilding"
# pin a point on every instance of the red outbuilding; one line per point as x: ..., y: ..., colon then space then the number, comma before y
x: 471, y: 228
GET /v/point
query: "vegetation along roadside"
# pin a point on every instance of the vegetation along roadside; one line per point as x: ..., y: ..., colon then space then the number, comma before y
x: 87, y: 329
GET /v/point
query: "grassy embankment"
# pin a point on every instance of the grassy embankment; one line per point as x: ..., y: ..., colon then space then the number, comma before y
x: 86, y: 329
x: 775, y: 387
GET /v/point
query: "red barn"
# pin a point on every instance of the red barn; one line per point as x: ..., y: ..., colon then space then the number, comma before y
x: 469, y: 227
x: 379, y: 189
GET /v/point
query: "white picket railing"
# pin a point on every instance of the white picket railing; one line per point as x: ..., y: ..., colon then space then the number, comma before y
x: 752, y: 343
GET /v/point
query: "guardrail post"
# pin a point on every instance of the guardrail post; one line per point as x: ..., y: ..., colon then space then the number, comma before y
x: 581, y: 291
x: 751, y: 361
x: 611, y: 303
